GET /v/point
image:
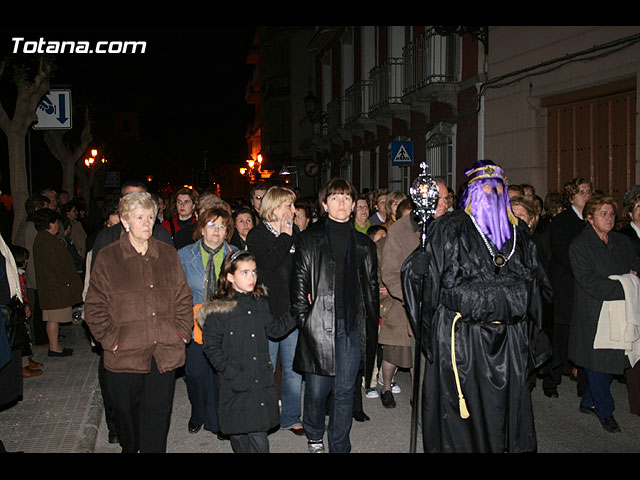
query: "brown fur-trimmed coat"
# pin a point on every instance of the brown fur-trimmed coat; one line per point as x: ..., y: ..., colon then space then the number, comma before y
x: 235, y: 335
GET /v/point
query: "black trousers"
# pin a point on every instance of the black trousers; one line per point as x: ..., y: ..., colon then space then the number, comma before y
x: 142, y: 405
x: 560, y: 363
x: 106, y: 401
x: 255, y: 442
x: 37, y: 324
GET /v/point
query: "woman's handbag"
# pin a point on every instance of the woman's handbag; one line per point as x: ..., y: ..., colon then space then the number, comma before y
x: 17, y: 328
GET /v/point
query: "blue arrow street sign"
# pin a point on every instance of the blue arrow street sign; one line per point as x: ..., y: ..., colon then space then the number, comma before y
x: 54, y: 111
x: 401, y: 153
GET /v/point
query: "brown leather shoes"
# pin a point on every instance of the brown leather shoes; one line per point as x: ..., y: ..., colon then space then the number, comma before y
x: 297, y: 430
x: 30, y: 372
x: 34, y: 364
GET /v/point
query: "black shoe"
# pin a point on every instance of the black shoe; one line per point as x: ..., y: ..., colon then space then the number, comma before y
x: 387, y: 399
x: 113, y: 437
x: 193, y: 428
x: 550, y: 392
x: 588, y: 410
x: 360, y: 417
x: 610, y: 424
x: 66, y: 352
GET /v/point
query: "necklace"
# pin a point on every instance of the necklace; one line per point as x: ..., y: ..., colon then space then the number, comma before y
x: 499, y: 260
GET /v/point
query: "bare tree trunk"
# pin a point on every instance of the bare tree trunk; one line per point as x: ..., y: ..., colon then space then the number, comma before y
x: 68, y: 156
x: 18, y: 179
x: 29, y: 95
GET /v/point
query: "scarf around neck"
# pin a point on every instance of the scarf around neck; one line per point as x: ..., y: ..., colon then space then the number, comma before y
x: 210, y: 279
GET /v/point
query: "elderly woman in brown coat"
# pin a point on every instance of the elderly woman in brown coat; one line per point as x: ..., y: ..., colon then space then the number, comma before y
x: 138, y: 307
x: 59, y: 285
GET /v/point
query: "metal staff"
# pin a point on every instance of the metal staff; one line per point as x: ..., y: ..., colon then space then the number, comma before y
x: 424, y: 193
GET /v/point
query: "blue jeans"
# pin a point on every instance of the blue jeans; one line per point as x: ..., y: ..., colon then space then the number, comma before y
x: 318, y: 388
x: 598, y: 393
x: 291, y: 383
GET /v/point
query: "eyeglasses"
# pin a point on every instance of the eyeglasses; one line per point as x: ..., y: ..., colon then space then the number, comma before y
x: 584, y: 192
x: 362, y: 207
x: 216, y: 226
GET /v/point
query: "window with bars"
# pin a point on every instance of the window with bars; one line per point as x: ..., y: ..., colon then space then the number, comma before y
x: 439, y: 157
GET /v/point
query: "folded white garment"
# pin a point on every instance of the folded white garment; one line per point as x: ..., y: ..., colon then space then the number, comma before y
x: 619, y: 321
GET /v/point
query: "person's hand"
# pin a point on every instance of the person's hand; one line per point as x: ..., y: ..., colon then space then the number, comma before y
x: 633, y: 271
x: 384, y: 291
x: 286, y: 223
x: 114, y: 349
x: 27, y: 311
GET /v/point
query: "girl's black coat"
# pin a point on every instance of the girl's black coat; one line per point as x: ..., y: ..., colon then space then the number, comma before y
x: 235, y: 335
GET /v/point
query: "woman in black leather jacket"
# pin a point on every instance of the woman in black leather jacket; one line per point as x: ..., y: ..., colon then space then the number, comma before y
x: 335, y: 301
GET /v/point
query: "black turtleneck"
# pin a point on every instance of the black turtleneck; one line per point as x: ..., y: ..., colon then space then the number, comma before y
x: 339, y: 233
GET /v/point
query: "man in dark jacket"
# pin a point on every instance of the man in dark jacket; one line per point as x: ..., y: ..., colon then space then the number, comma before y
x: 565, y: 227
x: 335, y: 301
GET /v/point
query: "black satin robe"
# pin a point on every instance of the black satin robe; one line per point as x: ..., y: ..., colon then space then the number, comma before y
x: 500, y: 316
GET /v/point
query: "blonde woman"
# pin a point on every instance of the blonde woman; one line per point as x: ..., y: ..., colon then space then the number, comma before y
x: 272, y: 242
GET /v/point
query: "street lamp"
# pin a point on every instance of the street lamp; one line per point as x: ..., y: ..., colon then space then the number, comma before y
x: 311, y: 108
x: 89, y: 161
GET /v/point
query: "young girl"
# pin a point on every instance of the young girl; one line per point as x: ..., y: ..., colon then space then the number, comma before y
x: 235, y: 325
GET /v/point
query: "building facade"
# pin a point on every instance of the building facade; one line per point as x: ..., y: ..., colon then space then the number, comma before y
x: 547, y: 103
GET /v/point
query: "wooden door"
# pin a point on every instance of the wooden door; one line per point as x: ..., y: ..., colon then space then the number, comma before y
x: 593, y: 138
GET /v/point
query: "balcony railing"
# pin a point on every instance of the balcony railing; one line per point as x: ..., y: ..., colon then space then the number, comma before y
x: 386, y: 83
x: 430, y: 58
x: 356, y: 101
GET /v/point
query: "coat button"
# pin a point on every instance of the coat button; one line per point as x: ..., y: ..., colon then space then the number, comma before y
x: 249, y: 312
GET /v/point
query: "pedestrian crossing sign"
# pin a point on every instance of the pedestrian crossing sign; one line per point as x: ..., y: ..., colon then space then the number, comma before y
x: 401, y: 153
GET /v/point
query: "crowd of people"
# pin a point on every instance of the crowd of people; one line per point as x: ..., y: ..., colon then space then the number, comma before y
x: 281, y: 310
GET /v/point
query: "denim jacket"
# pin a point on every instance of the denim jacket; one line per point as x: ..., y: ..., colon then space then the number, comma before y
x: 191, y: 259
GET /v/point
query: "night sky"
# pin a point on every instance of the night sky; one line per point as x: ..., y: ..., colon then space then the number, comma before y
x: 188, y: 89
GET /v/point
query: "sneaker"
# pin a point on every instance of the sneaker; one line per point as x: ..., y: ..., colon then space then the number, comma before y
x: 372, y: 393
x: 387, y: 399
x: 315, y: 447
x: 395, y: 388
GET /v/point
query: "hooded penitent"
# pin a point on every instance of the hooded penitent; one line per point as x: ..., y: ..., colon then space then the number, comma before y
x: 487, y: 200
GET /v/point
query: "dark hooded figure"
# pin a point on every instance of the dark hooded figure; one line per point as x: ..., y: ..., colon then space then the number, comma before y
x: 481, y: 313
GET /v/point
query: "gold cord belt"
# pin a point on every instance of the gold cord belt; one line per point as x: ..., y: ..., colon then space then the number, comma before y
x: 464, y: 413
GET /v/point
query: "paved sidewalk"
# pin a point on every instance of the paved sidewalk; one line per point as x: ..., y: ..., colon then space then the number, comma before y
x: 57, y: 413
x: 61, y: 412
